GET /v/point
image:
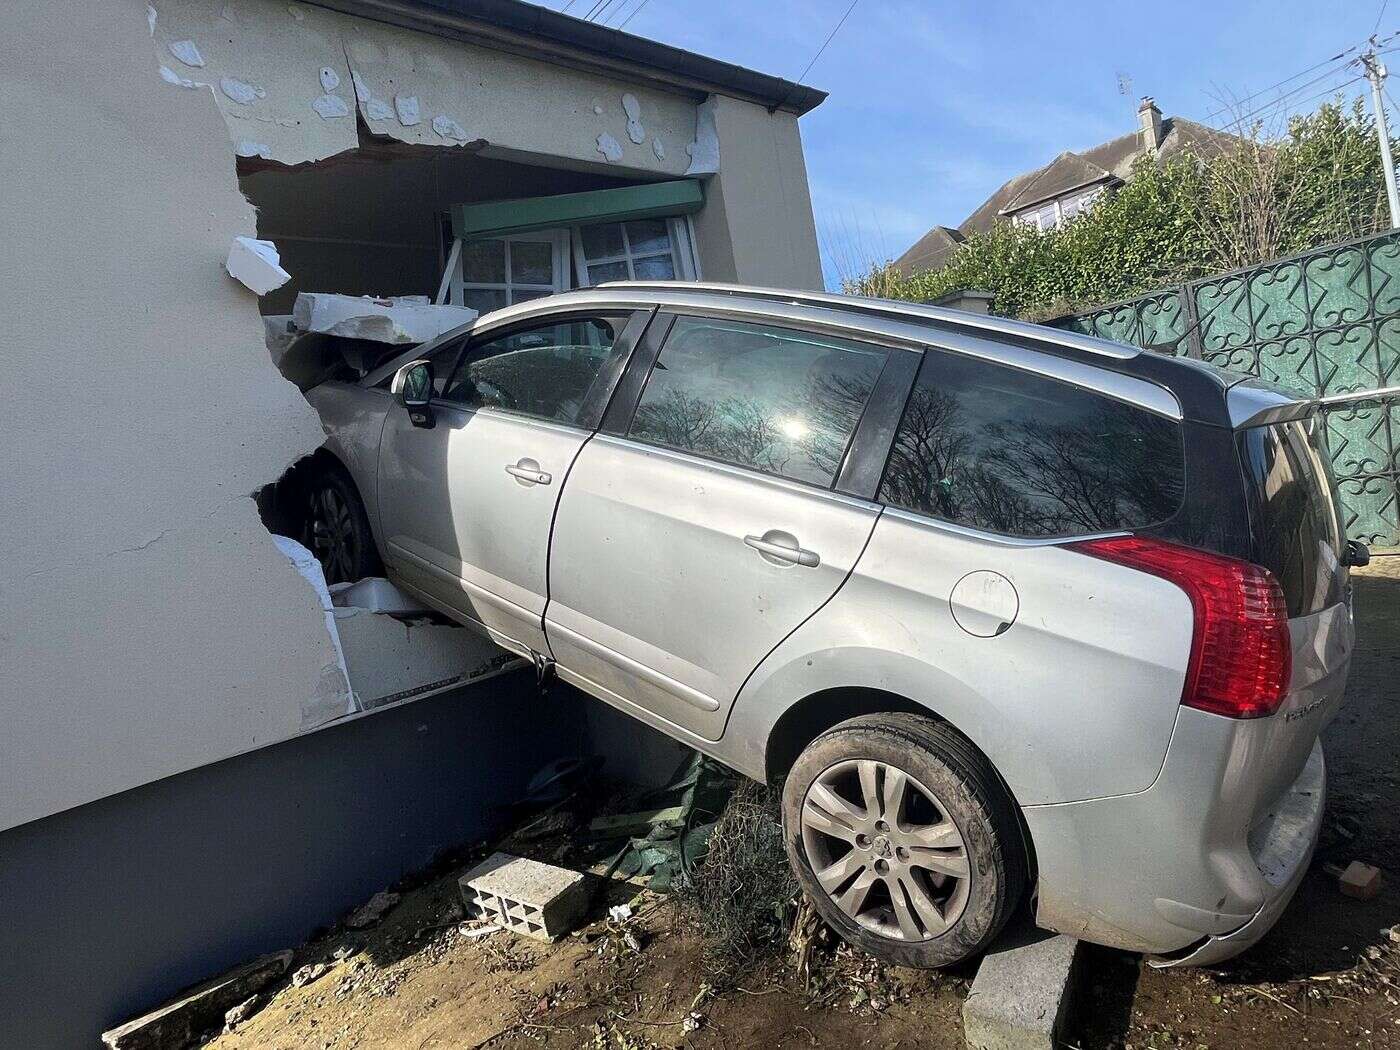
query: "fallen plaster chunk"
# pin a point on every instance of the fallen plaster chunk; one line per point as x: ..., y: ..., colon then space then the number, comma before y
x: 633, y: 109
x: 704, y: 151
x: 330, y: 106
x: 406, y: 106
x: 378, y: 109
x: 362, y: 92
x: 330, y: 79
x: 610, y: 148
x: 397, y: 319
x: 249, y: 148
x: 658, y: 149
x: 449, y: 128
x: 187, y: 52
x: 183, y: 1021
x: 370, y: 912
x: 239, y: 91
x: 377, y: 595
x: 256, y: 263
x: 151, y: 19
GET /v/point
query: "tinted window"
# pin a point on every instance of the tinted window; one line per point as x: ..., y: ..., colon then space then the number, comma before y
x: 1004, y: 450
x: 780, y: 401
x: 1296, y: 531
x: 544, y: 371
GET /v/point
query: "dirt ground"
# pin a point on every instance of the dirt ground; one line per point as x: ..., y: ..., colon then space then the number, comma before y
x: 1327, y: 977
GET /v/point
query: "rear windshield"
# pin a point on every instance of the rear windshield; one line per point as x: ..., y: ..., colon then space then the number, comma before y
x: 1297, y: 532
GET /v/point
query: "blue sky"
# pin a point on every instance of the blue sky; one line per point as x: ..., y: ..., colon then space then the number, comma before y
x: 933, y: 105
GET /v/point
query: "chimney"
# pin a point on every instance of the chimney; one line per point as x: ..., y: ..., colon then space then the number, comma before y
x: 1150, y: 123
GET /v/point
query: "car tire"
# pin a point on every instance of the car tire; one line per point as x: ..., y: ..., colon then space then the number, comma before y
x: 335, y: 525
x: 893, y: 887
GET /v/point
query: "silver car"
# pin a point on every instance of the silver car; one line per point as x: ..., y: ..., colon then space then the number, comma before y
x: 1006, y: 610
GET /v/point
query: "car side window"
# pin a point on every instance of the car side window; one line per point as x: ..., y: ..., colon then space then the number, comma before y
x: 773, y: 399
x: 1004, y: 450
x: 545, y: 370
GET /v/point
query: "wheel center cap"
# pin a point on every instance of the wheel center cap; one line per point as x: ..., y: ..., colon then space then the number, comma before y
x: 881, y: 846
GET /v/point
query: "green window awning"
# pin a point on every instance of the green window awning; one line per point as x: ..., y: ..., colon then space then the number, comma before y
x: 649, y: 200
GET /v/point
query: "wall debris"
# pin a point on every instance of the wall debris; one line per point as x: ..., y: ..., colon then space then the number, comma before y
x: 256, y: 264
x: 704, y: 150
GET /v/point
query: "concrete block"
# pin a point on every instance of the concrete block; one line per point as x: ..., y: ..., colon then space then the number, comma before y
x: 1022, y: 990
x: 204, y: 1007
x: 532, y: 899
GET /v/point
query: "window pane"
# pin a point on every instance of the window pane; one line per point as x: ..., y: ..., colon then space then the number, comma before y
x: 484, y: 262
x: 484, y: 300
x: 647, y: 236
x: 544, y: 371
x: 776, y: 400
x: 656, y: 268
x: 1008, y: 451
x: 602, y: 242
x: 524, y: 295
x: 607, y: 272
x: 531, y: 262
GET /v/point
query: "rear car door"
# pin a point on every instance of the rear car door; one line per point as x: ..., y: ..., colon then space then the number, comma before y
x: 691, y: 540
x: 466, y: 504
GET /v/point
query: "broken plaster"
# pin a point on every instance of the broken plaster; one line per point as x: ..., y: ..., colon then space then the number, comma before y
x: 610, y: 148
x: 330, y: 106
x: 406, y: 106
x: 187, y: 52
x: 239, y: 91
x: 449, y: 128
x: 633, y: 109
x: 704, y: 151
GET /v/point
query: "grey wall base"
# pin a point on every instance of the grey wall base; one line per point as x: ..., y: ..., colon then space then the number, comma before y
x: 109, y: 909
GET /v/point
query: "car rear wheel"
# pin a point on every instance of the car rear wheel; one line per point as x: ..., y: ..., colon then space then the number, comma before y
x: 336, y: 527
x: 904, y: 839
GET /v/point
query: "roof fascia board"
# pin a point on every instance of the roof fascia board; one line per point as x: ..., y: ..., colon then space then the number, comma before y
x: 537, y: 32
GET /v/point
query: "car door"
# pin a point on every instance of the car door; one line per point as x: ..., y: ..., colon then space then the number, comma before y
x: 466, y: 503
x: 691, y: 543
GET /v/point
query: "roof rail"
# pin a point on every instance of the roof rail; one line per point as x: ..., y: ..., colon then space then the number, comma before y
x: 899, y: 310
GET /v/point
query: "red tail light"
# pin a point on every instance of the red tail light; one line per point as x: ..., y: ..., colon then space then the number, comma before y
x: 1241, y: 657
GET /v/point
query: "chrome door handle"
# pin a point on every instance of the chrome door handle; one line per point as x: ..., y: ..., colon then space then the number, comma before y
x: 794, y: 554
x: 528, y: 473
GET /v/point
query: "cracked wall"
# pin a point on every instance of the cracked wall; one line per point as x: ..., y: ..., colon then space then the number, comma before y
x: 149, y: 625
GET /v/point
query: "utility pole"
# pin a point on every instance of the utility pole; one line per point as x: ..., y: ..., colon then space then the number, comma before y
x: 1375, y: 73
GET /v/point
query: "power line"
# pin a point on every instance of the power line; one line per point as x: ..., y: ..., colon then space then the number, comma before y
x: 1289, y: 98
x: 829, y: 37
x: 1287, y: 80
x: 601, y: 16
x: 635, y: 12
x: 1379, y: 17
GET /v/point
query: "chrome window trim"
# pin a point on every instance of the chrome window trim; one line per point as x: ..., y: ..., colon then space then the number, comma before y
x: 494, y: 411
x: 694, y: 459
x: 995, y: 538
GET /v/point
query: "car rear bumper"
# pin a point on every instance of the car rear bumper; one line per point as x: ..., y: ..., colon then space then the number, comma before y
x: 1178, y: 871
x: 1282, y: 846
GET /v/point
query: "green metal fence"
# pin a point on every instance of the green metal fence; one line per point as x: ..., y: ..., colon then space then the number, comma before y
x: 1325, y: 324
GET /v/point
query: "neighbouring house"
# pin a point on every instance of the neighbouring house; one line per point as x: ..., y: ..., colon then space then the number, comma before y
x: 199, y: 760
x: 1057, y: 192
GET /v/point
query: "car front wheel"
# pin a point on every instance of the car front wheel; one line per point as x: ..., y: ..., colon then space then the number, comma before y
x: 904, y: 839
x: 335, y: 526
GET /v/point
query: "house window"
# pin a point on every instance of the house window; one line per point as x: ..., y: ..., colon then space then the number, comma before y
x: 500, y: 271
x: 1050, y: 214
x: 641, y: 250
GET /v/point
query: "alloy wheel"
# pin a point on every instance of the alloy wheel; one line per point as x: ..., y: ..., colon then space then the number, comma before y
x: 885, y: 850
x: 331, y: 532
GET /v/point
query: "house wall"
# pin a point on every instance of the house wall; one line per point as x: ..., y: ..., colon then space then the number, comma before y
x: 149, y: 623
x: 757, y: 226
